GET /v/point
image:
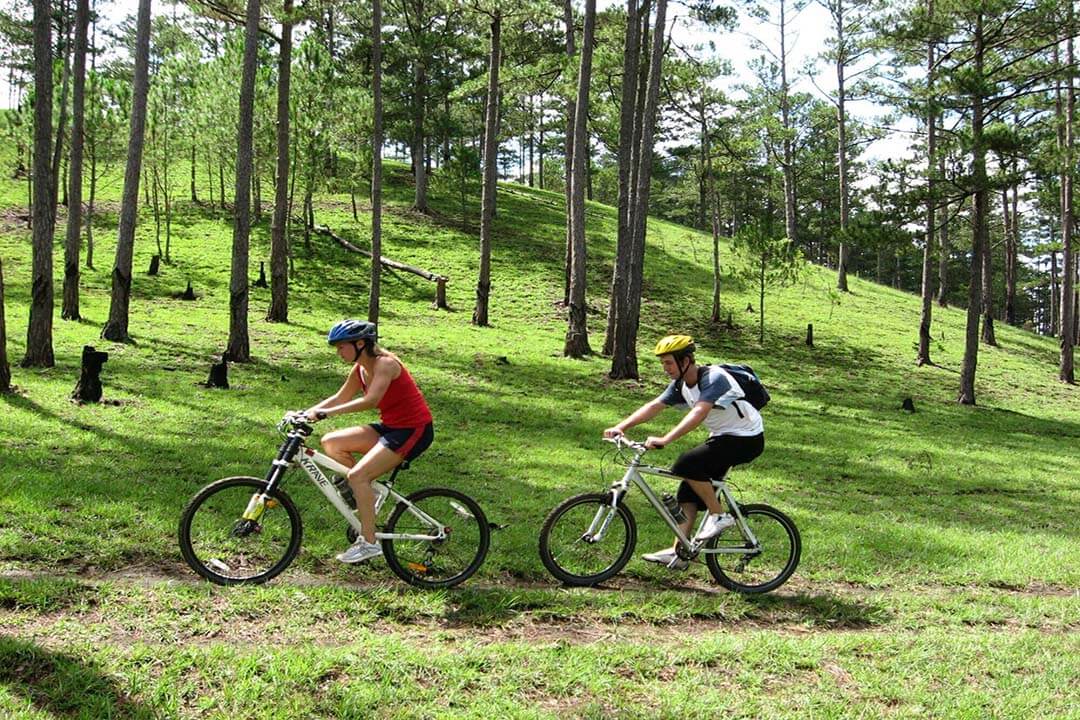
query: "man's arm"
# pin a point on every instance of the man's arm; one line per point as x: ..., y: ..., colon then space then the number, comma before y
x: 690, y: 421
x: 643, y: 414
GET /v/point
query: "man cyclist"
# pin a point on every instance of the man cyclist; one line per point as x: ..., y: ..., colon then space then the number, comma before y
x: 736, y: 435
x: 403, y: 432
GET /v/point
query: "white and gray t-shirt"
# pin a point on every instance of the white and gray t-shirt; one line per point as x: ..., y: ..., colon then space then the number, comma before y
x: 715, y: 385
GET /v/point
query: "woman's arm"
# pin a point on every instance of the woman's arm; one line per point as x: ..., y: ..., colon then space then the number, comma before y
x: 643, y: 414
x: 383, y: 373
x: 348, y: 389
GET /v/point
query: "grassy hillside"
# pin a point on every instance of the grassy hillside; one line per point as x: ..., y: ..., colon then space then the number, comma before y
x: 934, y: 542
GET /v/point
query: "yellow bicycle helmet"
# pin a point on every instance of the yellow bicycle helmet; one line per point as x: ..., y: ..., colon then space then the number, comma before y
x: 677, y: 345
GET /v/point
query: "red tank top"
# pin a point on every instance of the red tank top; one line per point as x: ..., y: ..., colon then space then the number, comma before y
x: 402, y: 405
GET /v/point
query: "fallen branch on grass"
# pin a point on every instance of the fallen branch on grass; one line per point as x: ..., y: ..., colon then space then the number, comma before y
x: 439, y: 280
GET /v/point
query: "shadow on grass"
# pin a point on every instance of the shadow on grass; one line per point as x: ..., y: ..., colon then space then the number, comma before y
x: 63, y: 685
x: 491, y: 606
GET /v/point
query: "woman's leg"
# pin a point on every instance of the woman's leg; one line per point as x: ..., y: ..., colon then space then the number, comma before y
x: 376, y: 462
x: 342, y: 444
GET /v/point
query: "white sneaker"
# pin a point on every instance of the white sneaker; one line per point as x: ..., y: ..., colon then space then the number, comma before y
x: 667, y: 558
x: 360, y: 551
x: 714, y: 525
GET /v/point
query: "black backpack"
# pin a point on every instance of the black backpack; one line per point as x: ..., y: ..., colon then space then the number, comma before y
x: 754, y: 392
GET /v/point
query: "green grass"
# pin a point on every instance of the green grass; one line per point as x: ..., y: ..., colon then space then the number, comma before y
x: 941, y: 560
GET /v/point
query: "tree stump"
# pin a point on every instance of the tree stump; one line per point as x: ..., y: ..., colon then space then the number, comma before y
x: 261, y: 282
x: 155, y: 264
x: 810, y: 335
x: 88, y: 389
x: 188, y: 294
x: 440, y: 293
x: 219, y: 375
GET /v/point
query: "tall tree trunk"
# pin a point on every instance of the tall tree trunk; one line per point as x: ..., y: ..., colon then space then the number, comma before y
x: 194, y: 194
x: 532, y: 139
x: 627, y: 107
x: 376, y: 161
x: 540, y: 170
x: 1008, y: 215
x: 577, y: 334
x: 61, y: 125
x: 74, y: 224
x: 39, y: 351
x: 1068, y: 219
x: 420, y: 201
x: 624, y: 357
x: 790, y: 228
x: 279, y: 241
x: 487, y: 201
x: 568, y: 21
x: 923, y: 357
x: 5, y: 367
x: 239, y: 349
x: 979, y: 232
x: 987, y: 301
x: 714, y: 199
x: 1054, y: 295
x: 154, y: 182
x: 943, y: 248
x: 90, y: 207
x: 841, y: 153
x: 116, y: 328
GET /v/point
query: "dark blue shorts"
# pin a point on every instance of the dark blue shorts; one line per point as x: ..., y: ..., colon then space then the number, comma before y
x: 408, y: 442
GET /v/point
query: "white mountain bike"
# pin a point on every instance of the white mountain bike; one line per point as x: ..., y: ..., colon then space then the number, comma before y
x: 589, y: 538
x: 246, y: 530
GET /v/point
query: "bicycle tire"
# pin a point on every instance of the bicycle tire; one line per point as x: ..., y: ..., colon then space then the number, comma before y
x: 204, y: 548
x: 763, y: 520
x: 424, y: 563
x: 555, y: 553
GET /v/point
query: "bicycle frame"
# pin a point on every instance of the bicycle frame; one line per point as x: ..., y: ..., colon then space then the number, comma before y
x: 633, y: 475
x: 294, y: 452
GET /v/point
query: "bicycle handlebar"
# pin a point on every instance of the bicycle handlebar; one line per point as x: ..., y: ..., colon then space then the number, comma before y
x: 621, y: 441
x: 295, y: 420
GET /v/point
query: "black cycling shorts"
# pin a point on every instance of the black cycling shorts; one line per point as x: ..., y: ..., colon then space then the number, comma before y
x: 408, y: 442
x: 712, y: 461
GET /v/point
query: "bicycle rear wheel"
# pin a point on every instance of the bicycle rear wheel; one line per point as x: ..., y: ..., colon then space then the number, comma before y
x: 574, y: 556
x: 437, y: 563
x: 777, y: 556
x: 224, y: 548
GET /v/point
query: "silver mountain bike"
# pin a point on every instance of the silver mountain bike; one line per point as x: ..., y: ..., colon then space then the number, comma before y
x: 589, y: 538
x: 248, y: 530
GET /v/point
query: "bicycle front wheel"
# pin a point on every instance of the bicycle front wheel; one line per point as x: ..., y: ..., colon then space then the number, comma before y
x: 441, y: 563
x: 769, y: 565
x: 585, y: 541
x: 223, y: 547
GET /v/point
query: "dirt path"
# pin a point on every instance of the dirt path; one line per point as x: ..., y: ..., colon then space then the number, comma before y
x: 799, y: 608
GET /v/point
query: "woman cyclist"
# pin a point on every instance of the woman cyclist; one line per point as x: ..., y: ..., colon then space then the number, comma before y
x: 403, y: 432
x: 736, y: 435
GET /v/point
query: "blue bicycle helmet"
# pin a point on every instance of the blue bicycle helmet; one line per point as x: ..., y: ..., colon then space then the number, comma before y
x: 351, y: 331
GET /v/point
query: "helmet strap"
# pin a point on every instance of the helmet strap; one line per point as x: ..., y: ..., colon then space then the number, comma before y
x: 682, y: 370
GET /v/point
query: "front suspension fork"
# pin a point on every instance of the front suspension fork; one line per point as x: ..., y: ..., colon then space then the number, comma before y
x: 604, y: 515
